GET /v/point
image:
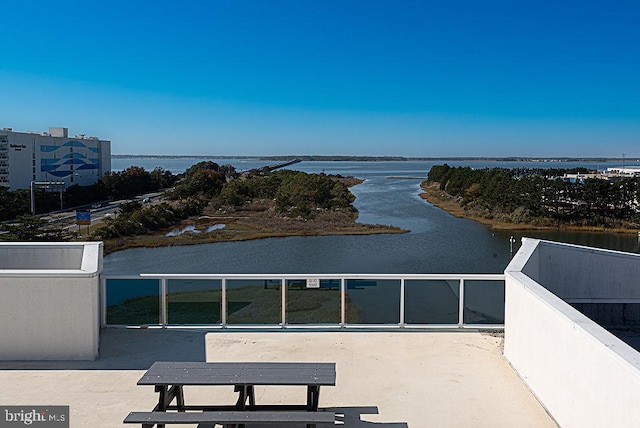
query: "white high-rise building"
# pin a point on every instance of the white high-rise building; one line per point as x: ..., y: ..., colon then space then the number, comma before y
x: 51, y: 156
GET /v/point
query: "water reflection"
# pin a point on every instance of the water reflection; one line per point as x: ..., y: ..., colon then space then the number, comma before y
x: 214, y: 227
x: 192, y: 229
x: 186, y: 229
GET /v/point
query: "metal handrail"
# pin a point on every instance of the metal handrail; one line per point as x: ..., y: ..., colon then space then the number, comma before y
x: 164, y: 278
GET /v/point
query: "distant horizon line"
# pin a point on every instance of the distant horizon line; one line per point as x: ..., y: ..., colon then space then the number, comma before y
x: 338, y: 158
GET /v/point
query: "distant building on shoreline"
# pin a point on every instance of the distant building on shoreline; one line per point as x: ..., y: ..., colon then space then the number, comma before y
x: 51, y: 156
x: 611, y: 174
x: 629, y: 171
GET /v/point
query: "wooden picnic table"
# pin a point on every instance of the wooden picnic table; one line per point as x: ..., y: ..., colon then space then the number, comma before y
x: 169, y: 378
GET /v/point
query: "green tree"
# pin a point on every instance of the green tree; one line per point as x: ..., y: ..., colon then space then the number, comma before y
x: 133, y: 181
x: 29, y: 228
x: 301, y: 193
x: 162, y: 178
x: 540, y: 193
x: 13, y: 204
x: 202, y: 183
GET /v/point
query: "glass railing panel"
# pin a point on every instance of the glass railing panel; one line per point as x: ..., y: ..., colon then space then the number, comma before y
x: 133, y: 302
x: 371, y: 301
x: 313, y: 301
x: 483, y: 302
x: 431, y: 301
x: 194, y: 301
x: 254, y: 301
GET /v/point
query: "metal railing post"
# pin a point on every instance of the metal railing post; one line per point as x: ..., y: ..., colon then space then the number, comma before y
x: 223, y: 303
x: 343, y: 303
x: 283, y: 301
x: 163, y: 291
x: 402, y: 300
x: 461, y: 304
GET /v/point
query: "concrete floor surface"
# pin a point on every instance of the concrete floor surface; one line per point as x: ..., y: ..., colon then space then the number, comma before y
x: 384, y: 379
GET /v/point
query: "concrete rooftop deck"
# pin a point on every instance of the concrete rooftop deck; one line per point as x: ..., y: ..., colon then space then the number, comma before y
x: 384, y: 379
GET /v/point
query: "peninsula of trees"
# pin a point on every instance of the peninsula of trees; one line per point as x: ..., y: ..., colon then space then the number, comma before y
x: 523, y: 198
x: 257, y: 205
x: 277, y: 204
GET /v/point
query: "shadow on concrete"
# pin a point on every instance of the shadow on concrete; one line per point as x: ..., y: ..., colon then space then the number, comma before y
x: 351, y: 417
x: 130, y: 349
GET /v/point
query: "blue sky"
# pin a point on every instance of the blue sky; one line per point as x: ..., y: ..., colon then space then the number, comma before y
x: 408, y: 78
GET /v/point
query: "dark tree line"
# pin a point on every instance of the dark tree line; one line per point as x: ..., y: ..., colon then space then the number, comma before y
x: 14, y: 204
x: 128, y: 183
x: 293, y: 192
x: 28, y: 227
x: 131, y: 182
x: 197, y: 186
x: 540, y: 195
x: 203, y: 180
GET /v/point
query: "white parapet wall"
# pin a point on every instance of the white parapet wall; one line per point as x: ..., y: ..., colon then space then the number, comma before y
x: 581, y: 373
x: 50, y: 300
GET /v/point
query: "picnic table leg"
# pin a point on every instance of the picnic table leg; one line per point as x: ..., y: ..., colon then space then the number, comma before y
x: 252, y: 395
x: 162, y: 398
x: 242, y: 396
x: 246, y: 392
x: 313, y: 398
x: 180, y: 398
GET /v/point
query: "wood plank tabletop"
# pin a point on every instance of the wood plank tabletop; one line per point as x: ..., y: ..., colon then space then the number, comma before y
x: 253, y: 373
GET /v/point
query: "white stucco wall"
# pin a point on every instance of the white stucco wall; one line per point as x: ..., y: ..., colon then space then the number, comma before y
x: 581, y: 373
x: 23, y: 257
x: 577, y: 272
x: 49, y: 311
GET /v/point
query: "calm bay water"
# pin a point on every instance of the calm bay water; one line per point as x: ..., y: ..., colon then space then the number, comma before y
x: 437, y: 242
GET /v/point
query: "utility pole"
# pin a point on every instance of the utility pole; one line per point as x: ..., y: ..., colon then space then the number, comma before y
x: 33, y: 201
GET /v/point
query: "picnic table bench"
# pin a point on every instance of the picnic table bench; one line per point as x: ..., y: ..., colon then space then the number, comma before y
x: 170, y: 378
x: 277, y: 418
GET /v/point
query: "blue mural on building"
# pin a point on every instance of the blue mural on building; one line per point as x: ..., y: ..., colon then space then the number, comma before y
x: 63, y: 160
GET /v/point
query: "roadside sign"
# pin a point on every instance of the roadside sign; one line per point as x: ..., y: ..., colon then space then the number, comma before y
x: 83, y: 217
